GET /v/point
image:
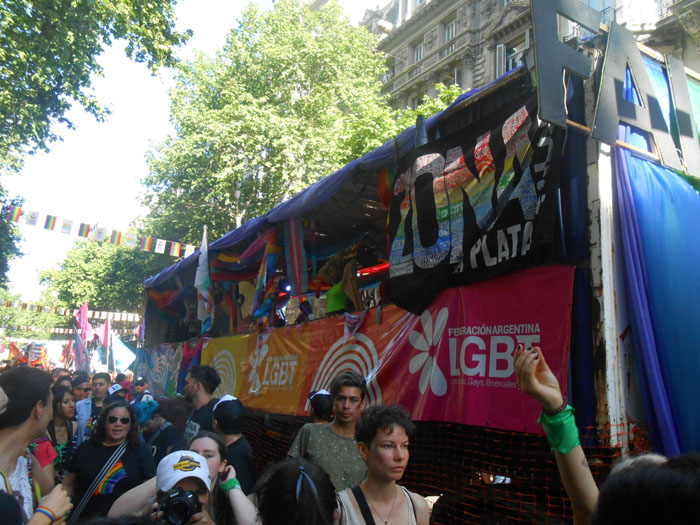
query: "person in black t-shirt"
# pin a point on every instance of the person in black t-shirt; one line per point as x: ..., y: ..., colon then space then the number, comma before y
x: 115, y: 426
x: 200, y: 384
x: 159, y: 435
x: 228, y: 423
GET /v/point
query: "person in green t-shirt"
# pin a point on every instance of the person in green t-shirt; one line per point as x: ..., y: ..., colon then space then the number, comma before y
x: 333, y: 445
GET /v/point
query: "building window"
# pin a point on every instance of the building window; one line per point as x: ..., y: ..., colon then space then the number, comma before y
x: 418, y: 53
x: 450, y: 30
x: 512, y: 54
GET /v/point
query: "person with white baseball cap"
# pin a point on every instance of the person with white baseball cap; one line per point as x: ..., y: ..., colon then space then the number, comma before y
x: 116, y: 391
x: 188, y: 471
x: 139, y: 500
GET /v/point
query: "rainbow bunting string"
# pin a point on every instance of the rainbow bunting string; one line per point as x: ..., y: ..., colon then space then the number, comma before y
x: 116, y: 237
x: 14, y: 214
x: 129, y: 240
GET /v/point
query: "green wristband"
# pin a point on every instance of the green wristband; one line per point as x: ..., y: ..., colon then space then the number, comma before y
x: 229, y: 485
x: 561, y: 430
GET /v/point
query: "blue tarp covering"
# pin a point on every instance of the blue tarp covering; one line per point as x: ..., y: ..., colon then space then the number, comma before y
x: 171, y: 271
x: 659, y: 213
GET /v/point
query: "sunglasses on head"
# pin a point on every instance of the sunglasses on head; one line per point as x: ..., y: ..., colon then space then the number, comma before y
x: 124, y: 420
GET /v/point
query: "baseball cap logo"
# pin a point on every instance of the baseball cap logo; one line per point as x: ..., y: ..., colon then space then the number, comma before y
x: 186, y: 464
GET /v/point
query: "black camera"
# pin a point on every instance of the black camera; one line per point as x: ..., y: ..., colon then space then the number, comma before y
x: 179, y: 505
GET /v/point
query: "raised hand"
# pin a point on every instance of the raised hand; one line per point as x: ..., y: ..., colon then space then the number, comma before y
x: 535, y: 378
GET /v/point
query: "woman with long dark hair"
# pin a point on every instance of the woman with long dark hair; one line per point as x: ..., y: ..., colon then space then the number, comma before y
x: 63, y: 430
x: 110, y: 463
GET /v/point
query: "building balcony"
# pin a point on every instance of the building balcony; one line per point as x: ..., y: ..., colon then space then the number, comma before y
x: 414, y: 71
x: 447, y: 50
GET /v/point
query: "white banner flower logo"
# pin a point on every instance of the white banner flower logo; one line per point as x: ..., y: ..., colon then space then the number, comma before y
x: 258, y: 357
x: 423, y: 342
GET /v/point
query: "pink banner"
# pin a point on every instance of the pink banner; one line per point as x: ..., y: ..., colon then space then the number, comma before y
x: 455, y: 361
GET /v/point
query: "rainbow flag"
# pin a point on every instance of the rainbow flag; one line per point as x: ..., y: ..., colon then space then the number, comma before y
x: 146, y: 244
x: 84, y: 230
x: 116, y: 237
x: 50, y: 222
x: 175, y: 248
x: 114, y: 476
x: 14, y: 214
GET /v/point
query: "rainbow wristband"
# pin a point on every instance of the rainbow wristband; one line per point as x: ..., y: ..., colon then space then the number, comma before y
x: 561, y: 430
x: 229, y: 485
x: 47, y: 512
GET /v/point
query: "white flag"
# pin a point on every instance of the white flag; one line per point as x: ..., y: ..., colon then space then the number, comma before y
x: 99, y: 234
x: 31, y: 218
x: 67, y: 226
x: 201, y: 278
x: 189, y: 250
x: 160, y: 246
x: 130, y: 241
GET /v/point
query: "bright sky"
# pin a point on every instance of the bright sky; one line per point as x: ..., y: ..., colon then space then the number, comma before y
x: 93, y: 175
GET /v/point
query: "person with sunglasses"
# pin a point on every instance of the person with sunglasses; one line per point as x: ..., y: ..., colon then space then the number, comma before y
x: 107, y: 465
x: 81, y: 387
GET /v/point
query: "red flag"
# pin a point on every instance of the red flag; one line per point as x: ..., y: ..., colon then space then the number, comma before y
x: 67, y: 355
x: 14, y: 351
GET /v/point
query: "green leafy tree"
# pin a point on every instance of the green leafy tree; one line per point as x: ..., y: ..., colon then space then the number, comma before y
x: 108, y: 277
x: 27, y: 323
x: 446, y: 95
x: 9, y: 237
x: 294, y: 95
x: 48, y: 54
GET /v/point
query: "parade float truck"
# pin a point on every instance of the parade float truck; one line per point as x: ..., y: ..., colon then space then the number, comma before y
x: 554, y: 207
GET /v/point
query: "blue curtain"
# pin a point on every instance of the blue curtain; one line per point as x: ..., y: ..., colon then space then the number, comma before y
x: 659, y: 216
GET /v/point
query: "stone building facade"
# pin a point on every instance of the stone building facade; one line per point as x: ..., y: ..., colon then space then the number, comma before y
x: 473, y: 42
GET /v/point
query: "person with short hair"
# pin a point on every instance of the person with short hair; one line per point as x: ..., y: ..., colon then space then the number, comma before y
x: 228, y: 423
x: 382, y: 435
x: 115, y: 392
x: 141, y: 391
x: 200, y: 383
x: 81, y: 387
x: 320, y: 406
x: 160, y: 435
x: 88, y: 410
x: 108, y: 464
x: 59, y: 372
x: 25, y: 411
x: 333, y: 445
x: 296, y: 492
x: 64, y: 381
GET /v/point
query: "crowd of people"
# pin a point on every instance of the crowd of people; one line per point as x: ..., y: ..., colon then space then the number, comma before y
x: 76, y: 448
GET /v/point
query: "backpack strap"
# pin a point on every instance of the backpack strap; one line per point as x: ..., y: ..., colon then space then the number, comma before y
x: 362, y: 503
x: 75, y: 515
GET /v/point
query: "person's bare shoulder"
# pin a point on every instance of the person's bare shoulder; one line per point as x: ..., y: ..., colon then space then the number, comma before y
x: 422, y: 511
